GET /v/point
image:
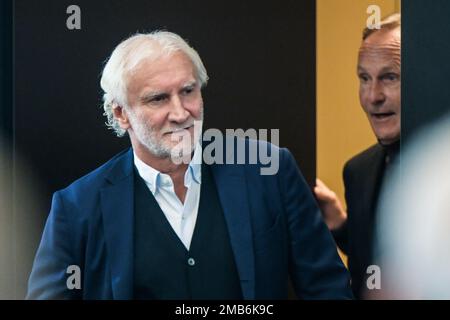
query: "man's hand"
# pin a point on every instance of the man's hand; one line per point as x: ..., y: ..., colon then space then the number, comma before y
x: 330, y: 205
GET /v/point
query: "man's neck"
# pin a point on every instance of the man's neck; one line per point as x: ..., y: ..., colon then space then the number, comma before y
x: 166, y: 166
x: 392, y: 150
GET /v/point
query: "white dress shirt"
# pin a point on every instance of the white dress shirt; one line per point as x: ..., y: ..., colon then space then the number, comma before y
x: 181, y: 216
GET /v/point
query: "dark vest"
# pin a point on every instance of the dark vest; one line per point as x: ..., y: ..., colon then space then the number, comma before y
x: 164, y: 268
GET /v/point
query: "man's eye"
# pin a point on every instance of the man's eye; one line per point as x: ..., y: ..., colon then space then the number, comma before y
x: 390, y: 77
x: 157, y: 99
x: 363, y: 78
x: 187, y: 91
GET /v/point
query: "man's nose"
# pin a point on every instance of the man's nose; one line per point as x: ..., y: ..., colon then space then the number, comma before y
x: 178, y: 113
x: 376, y: 94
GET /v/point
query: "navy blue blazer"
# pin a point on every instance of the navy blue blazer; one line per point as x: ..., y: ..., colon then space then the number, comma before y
x: 274, y: 223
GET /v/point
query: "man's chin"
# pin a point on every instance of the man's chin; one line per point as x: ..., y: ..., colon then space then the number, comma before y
x: 387, y: 134
x: 170, y: 149
x: 388, y: 139
x: 179, y: 152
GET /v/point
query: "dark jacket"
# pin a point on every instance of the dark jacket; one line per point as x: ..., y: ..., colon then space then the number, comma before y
x: 363, y: 175
x: 273, y: 221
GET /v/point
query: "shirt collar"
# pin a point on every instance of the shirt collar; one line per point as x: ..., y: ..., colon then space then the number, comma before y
x: 152, y: 177
x: 195, y: 167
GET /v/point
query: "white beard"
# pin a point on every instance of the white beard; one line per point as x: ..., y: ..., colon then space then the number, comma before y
x: 181, y: 151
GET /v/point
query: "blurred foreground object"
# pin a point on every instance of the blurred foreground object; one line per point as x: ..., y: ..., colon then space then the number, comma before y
x: 20, y: 201
x: 415, y: 220
x: 5, y: 223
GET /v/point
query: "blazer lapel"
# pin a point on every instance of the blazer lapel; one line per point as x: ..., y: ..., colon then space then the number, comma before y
x: 117, y: 205
x: 232, y: 190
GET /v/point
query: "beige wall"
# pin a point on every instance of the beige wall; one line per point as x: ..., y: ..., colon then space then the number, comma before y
x: 342, y: 127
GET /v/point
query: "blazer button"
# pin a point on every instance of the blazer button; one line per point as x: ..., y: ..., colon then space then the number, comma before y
x: 191, y: 262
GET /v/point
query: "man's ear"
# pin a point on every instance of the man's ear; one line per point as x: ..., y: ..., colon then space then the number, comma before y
x: 122, y: 117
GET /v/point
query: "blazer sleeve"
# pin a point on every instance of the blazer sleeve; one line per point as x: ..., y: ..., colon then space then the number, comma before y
x: 315, y: 267
x: 48, y: 276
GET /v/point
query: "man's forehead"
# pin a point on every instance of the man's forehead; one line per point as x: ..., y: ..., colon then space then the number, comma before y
x: 380, y: 53
x: 382, y: 48
x: 379, y: 57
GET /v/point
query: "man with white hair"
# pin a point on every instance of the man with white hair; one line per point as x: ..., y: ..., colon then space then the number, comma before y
x: 157, y: 222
